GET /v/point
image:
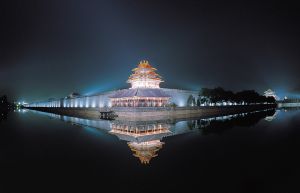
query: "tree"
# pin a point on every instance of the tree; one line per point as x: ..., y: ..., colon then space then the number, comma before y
x: 191, y: 101
x: 218, y: 94
x: 198, y: 102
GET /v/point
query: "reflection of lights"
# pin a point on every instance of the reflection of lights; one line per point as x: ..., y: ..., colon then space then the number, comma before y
x: 139, y: 131
x: 145, y: 151
x: 143, y: 139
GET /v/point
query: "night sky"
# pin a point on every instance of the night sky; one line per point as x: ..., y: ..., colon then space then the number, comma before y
x: 49, y: 49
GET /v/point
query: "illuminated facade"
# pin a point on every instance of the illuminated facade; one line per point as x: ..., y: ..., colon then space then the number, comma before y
x: 144, y: 76
x: 144, y: 91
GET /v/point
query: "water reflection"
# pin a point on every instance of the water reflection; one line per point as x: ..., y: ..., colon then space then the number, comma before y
x: 219, y: 125
x: 3, y: 115
x: 272, y: 117
x: 289, y: 108
x: 145, y: 138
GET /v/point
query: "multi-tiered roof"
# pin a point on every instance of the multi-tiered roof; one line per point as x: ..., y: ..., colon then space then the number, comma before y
x: 270, y: 93
x: 144, y: 76
x: 144, y: 91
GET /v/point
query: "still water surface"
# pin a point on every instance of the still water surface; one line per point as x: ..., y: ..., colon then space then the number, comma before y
x: 254, y: 152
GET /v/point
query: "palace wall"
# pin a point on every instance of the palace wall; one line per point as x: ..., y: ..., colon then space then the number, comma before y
x: 179, y: 97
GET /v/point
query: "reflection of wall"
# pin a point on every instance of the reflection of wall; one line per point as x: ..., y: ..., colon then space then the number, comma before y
x: 221, y: 123
x: 144, y: 138
x: 282, y: 105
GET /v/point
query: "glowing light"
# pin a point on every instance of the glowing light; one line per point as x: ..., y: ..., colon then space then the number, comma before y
x: 87, y: 102
x: 94, y: 103
x: 81, y: 103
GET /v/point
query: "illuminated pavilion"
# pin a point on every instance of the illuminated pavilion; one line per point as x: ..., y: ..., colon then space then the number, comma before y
x: 144, y: 91
x: 270, y: 93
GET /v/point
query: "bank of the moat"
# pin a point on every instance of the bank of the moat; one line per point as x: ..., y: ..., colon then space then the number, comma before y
x: 142, y: 113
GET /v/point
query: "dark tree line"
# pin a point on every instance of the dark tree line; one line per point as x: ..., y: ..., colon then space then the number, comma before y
x: 218, y: 94
x: 220, y: 126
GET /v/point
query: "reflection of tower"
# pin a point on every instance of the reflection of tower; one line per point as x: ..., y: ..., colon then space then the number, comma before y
x: 271, y: 117
x: 145, y: 151
x: 144, y: 138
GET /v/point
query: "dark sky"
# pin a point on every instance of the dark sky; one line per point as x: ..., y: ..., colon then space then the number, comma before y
x: 51, y: 48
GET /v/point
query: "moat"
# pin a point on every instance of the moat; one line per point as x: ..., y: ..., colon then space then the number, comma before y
x: 254, y: 152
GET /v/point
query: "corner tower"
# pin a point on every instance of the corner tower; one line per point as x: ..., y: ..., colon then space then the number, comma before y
x: 144, y: 76
x: 144, y: 91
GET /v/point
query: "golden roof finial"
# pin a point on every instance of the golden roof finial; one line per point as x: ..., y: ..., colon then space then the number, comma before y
x: 144, y: 63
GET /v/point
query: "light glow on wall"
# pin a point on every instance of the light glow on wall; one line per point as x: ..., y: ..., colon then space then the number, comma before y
x: 87, y: 103
x: 94, y: 103
x: 80, y: 102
